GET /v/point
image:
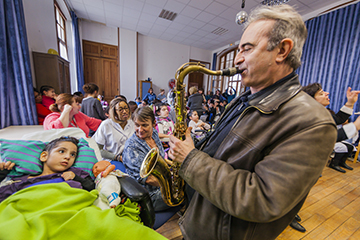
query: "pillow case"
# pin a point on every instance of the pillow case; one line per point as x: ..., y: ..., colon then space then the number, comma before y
x: 26, y: 153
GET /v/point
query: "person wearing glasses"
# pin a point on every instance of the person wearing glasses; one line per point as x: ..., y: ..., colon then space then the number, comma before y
x: 114, y: 131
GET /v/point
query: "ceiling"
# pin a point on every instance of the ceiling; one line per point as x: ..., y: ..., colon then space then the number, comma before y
x: 195, y: 20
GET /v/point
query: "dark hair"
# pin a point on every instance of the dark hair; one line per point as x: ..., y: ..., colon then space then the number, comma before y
x: 54, y: 143
x: 45, y: 88
x: 143, y: 114
x: 61, y: 100
x: 121, y: 96
x: 158, y: 106
x: 133, y: 106
x: 312, y: 89
x: 191, y: 112
x: 112, y: 112
x: 35, y: 90
x: 78, y: 94
x: 90, y: 88
x: 151, y: 89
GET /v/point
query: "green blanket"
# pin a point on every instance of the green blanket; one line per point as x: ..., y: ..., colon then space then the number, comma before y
x: 57, y: 211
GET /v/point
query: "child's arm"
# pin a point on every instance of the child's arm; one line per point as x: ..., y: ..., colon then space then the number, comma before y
x: 87, y: 183
x: 5, y: 168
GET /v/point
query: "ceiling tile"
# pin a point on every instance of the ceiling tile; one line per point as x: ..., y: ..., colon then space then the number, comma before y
x: 129, y: 19
x: 177, y: 26
x: 200, y: 4
x: 151, y: 9
x: 113, y: 15
x: 183, y: 1
x: 134, y: 4
x: 110, y: 7
x: 205, y: 17
x: 163, y: 22
x: 174, y: 6
x: 94, y: 3
x: 158, y: 28
x: 118, y: 2
x: 182, y: 19
x: 218, y: 21
x: 94, y: 10
x: 158, y: 3
x: 216, y: 8
x: 148, y: 17
x: 229, y: 14
x: 190, y: 12
x: 189, y: 29
x: 131, y: 12
x: 196, y: 23
x: 229, y: 3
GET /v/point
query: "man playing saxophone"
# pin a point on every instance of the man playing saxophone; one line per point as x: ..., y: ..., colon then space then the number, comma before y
x: 269, y: 147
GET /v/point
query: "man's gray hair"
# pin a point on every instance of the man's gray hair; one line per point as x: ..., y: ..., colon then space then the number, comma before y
x: 288, y: 24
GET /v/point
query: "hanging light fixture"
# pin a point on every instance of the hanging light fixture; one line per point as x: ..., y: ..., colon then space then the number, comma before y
x: 274, y: 2
x: 242, y: 16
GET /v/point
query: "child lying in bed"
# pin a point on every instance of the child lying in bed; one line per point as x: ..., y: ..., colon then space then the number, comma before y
x: 58, y: 157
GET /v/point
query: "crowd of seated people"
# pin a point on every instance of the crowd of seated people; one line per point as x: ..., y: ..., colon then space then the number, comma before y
x: 125, y: 131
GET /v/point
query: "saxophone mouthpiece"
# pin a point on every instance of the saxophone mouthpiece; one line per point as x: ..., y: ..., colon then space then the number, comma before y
x: 231, y: 71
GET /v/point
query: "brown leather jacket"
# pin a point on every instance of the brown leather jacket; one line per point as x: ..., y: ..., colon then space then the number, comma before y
x: 262, y: 171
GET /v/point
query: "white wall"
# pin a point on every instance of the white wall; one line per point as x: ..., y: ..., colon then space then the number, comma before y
x: 128, y: 63
x: 41, y: 32
x: 40, y: 27
x: 160, y: 59
x: 97, y: 32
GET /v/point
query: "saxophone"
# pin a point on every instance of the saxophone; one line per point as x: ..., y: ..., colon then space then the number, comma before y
x: 172, y: 186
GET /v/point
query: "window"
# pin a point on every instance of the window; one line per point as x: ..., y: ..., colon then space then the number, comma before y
x: 61, y: 32
x: 226, y: 60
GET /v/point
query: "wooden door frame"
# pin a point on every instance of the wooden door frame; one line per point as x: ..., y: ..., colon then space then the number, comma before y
x: 207, y: 65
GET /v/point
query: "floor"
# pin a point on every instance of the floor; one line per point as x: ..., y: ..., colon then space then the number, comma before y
x: 331, y: 211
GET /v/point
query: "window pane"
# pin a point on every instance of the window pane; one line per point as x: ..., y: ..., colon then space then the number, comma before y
x: 63, y: 52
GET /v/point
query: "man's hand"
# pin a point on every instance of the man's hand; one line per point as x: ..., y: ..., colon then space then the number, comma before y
x: 151, y: 180
x: 352, y: 97
x: 69, y: 175
x: 180, y: 149
x: 6, y: 165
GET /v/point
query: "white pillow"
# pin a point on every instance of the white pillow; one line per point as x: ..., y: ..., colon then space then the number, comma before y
x: 48, y: 135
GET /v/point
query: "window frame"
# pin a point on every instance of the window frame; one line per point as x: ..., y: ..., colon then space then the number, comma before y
x: 60, y: 42
x: 226, y: 60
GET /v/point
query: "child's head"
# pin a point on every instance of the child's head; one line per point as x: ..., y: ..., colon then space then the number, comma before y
x: 161, y: 110
x: 90, y: 88
x: 48, y: 91
x: 59, y: 155
x: 193, y: 115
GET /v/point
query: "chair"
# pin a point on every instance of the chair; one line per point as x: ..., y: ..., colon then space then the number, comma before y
x: 356, y: 154
x: 137, y: 193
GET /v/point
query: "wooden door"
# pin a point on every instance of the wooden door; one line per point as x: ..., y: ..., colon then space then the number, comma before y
x: 92, y: 70
x: 110, y: 79
x: 101, y: 67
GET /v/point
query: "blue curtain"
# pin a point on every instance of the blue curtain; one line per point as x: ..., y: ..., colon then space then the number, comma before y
x: 78, y: 55
x: 331, y: 54
x: 17, y: 102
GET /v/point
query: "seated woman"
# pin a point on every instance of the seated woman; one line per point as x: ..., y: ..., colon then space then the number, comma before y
x: 58, y: 157
x: 342, y: 150
x: 149, y: 97
x: 137, y: 146
x: 66, y: 114
x: 114, y: 131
